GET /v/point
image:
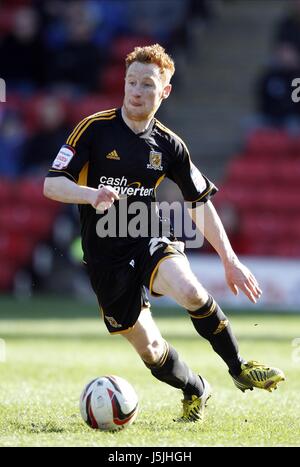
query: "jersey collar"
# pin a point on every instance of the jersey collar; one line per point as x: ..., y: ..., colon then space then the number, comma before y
x: 143, y: 134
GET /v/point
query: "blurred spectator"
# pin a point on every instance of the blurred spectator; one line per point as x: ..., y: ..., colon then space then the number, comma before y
x: 113, y: 20
x: 275, y: 88
x: 12, y: 137
x: 203, y: 10
x: 78, y: 61
x: 43, y: 145
x: 21, y: 52
x: 160, y: 19
x: 288, y: 31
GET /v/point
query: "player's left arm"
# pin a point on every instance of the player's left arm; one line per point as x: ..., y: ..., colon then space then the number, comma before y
x: 197, y: 190
x: 237, y: 274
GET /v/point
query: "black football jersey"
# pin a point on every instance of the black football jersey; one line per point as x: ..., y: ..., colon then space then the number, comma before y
x: 103, y: 150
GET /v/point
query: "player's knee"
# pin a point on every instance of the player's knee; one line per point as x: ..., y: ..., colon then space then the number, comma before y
x: 152, y: 353
x: 193, y: 296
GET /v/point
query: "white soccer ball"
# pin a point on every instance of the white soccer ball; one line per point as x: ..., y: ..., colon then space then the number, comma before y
x: 108, y: 403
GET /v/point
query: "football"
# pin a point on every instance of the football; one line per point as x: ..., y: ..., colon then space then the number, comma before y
x: 108, y: 403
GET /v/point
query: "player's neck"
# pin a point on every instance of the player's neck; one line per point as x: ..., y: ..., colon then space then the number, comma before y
x: 134, y: 125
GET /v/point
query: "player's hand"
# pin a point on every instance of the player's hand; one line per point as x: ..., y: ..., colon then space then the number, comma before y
x: 104, y: 197
x: 238, y: 277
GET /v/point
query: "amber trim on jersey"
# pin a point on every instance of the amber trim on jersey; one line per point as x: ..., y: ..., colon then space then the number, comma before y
x: 88, y: 124
x: 159, y: 181
x: 202, y: 196
x: 83, y: 175
x: 170, y: 132
x: 82, y: 122
x: 81, y: 127
x: 61, y: 172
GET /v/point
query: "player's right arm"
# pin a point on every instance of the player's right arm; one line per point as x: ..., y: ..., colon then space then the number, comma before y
x: 64, y: 190
x: 63, y: 180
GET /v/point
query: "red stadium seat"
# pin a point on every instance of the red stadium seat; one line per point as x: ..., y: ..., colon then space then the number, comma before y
x: 16, y: 248
x: 30, y: 110
x: 26, y: 218
x: 266, y: 226
x: 244, y: 170
x: 262, y: 184
x: 7, y: 191
x: 281, y: 201
x: 32, y: 107
x: 6, y: 20
x: 30, y: 191
x: 113, y: 80
x: 287, y: 248
x: 240, y: 196
x: 259, y: 248
x: 90, y: 105
x: 268, y: 143
x: 23, y: 219
x: 261, y: 199
x: 295, y: 146
x: 122, y: 46
x: 294, y: 228
x: 289, y: 171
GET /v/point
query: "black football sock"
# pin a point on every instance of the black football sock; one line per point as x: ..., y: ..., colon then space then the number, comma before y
x: 169, y: 369
x: 211, y: 323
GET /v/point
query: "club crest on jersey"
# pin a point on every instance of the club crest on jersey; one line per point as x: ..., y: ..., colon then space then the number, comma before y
x: 155, y: 159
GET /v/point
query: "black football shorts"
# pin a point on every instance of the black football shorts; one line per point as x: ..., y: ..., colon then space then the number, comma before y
x: 121, y: 290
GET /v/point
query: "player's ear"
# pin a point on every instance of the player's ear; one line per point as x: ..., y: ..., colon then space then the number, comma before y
x: 166, y: 91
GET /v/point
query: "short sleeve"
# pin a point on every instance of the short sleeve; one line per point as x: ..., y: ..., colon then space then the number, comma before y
x: 73, y: 155
x: 194, y: 186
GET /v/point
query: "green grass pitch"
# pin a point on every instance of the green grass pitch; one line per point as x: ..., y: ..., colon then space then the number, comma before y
x: 55, y: 346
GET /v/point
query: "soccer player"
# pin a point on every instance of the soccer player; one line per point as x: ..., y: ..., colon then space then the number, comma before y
x: 126, y: 153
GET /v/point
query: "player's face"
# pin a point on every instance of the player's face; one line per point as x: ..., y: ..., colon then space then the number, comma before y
x: 144, y: 90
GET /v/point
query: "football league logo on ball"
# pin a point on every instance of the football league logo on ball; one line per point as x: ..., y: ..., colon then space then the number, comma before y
x: 109, y: 403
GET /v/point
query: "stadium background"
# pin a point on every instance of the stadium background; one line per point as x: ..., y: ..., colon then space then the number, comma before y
x: 231, y: 103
